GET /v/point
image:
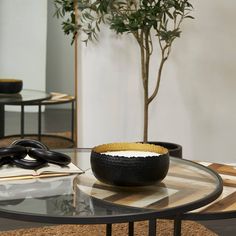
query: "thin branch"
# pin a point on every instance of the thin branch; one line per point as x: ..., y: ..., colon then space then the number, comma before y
x: 147, y: 58
x: 163, y: 59
x: 142, y: 58
x: 137, y: 37
x: 150, y: 44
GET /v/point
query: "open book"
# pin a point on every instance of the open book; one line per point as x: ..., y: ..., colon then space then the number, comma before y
x: 13, y: 172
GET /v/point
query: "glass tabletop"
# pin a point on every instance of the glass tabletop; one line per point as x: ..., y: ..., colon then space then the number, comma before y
x: 24, y: 97
x: 83, y: 199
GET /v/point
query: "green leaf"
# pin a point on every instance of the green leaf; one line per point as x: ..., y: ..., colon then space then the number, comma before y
x: 125, y: 16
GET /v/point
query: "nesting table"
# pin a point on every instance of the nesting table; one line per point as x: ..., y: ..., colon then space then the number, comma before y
x: 55, y: 99
x: 223, y: 207
x: 25, y: 97
x: 38, y: 99
x: 84, y: 200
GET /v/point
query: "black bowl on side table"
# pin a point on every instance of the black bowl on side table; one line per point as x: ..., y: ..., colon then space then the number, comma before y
x: 129, y: 171
x: 10, y: 86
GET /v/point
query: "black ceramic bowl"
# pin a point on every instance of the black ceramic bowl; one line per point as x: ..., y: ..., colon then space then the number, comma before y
x: 129, y: 171
x: 10, y: 86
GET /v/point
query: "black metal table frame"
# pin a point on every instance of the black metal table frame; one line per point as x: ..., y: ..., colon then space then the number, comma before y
x: 175, y: 213
x: 16, y: 103
x: 39, y: 104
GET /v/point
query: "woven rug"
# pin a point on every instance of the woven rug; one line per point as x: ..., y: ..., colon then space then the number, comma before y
x: 58, y: 140
x: 164, y: 228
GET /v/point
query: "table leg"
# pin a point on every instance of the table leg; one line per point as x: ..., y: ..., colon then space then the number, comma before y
x: 108, y: 229
x: 2, y: 120
x: 177, y: 227
x: 152, y: 227
x: 131, y: 228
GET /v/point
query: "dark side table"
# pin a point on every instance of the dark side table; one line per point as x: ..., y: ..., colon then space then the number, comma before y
x: 55, y: 99
x: 25, y: 97
x: 53, y: 139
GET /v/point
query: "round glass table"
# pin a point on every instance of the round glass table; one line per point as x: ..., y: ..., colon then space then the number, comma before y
x: 81, y: 199
x: 26, y: 96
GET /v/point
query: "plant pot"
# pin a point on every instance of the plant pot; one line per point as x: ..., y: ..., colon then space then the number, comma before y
x: 175, y: 150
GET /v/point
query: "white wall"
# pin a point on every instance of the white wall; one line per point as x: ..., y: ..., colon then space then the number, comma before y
x: 23, y: 25
x: 206, y: 81
x: 196, y: 104
x: 109, y: 92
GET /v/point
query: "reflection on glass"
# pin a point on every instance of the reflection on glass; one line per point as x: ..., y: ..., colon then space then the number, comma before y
x: 37, y: 190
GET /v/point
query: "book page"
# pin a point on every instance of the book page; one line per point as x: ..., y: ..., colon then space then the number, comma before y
x: 7, y: 171
x: 12, y: 171
x: 56, y: 169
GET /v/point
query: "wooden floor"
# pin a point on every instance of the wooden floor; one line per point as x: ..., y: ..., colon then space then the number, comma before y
x: 62, y: 117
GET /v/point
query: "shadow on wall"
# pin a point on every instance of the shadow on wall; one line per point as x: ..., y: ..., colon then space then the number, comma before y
x: 206, y: 59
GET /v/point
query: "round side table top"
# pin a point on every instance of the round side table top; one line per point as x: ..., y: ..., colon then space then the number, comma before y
x: 24, y: 97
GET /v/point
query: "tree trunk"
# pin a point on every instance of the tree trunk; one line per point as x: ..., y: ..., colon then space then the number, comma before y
x: 145, y: 66
x: 145, y: 58
x: 145, y: 118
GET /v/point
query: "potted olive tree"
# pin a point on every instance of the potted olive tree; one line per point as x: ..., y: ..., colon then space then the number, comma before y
x: 155, y: 24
